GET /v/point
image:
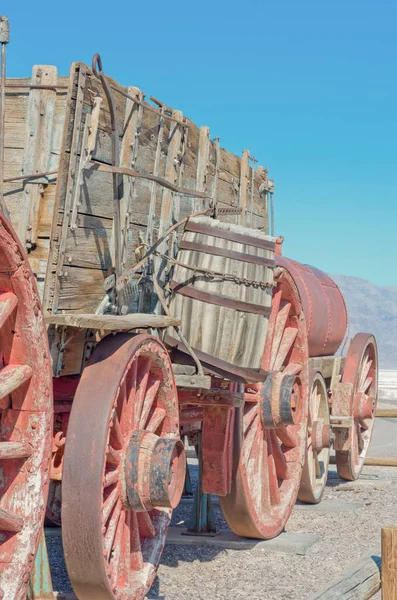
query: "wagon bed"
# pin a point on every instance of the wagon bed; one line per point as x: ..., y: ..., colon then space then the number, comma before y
x: 59, y: 130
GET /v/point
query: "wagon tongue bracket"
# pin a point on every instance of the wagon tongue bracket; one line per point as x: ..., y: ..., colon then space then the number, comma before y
x: 153, y: 473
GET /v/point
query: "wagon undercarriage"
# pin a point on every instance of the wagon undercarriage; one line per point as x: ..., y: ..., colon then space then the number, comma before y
x: 170, y: 314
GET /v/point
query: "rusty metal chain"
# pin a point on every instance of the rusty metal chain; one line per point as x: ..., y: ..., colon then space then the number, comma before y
x: 212, y: 274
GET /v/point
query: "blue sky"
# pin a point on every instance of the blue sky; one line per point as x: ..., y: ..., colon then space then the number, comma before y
x: 309, y: 87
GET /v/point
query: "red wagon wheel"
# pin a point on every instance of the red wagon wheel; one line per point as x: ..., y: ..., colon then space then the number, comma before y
x: 361, y: 374
x: 25, y: 416
x: 270, y: 434
x: 315, y: 469
x: 124, y: 469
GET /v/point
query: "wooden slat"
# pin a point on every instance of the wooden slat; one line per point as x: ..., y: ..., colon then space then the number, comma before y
x: 359, y: 582
x: 244, y: 178
x: 389, y: 563
x: 111, y: 322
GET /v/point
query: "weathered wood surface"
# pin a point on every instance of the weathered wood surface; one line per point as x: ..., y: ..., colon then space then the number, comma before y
x: 66, y: 221
x: 359, y: 582
x: 233, y: 335
x: 112, y: 322
x: 389, y: 563
x: 34, y: 123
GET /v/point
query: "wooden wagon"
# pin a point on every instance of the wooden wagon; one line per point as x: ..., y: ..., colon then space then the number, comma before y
x: 142, y: 300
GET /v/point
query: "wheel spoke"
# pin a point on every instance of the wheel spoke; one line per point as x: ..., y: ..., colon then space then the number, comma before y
x: 116, y: 436
x: 117, y: 549
x: 112, y: 528
x: 279, y: 458
x: 286, y: 344
x: 146, y: 527
x: 110, y: 478
x: 156, y: 420
x: 114, y: 456
x: 265, y: 494
x: 125, y: 563
x: 12, y: 377
x: 144, y: 369
x: 367, y: 384
x: 136, y: 549
x: 109, y: 504
x: 287, y: 437
x: 317, y: 469
x: 273, y: 481
x: 249, y: 441
x: 9, y: 521
x: 249, y: 417
x: 360, y: 439
x: 279, y: 328
x: 149, y: 399
x: 15, y: 450
x: 8, y: 303
x: 364, y: 374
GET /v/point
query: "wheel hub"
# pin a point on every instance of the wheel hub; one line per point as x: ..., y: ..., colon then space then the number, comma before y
x: 280, y: 401
x: 321, y: 435
x: 153, y: 472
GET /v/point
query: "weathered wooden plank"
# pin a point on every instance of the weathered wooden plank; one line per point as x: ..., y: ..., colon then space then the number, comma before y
x: 81, y: 289
x: 359, y: 582
x: 389, y: 563
x: 112, y: 322
x: 39, y: 125
x: 244, y: 179
x: 90, y: 244
x: 75, y: 137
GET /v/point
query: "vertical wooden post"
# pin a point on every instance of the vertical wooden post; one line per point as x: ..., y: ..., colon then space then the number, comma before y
x: 244, y: 178
x: 39, y: 127
x: 389, y: 563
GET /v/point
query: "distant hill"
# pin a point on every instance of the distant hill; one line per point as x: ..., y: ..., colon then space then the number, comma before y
x: 372, y: 309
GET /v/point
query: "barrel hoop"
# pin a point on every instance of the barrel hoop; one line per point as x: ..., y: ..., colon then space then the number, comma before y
x: 232, y: 236
x: 247, y: 258
x: 192, y: 292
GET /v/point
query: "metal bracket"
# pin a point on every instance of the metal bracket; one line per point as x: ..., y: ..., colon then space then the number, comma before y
x: 340, y: 422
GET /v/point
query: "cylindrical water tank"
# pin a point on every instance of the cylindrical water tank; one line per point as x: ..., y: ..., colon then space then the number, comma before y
x: 323, y: 306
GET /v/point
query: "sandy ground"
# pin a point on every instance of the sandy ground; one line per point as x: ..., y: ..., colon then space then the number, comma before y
x: 210, y: 573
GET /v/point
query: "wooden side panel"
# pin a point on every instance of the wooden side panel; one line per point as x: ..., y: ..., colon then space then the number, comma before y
x: 34, y: 122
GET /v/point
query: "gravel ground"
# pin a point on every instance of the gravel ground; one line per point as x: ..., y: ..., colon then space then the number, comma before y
x: 210, y: 573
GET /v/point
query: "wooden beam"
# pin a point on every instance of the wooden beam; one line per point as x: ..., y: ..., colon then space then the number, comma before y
x: 112, y: 322
x: 374, y: 461
x: 389, y: 563
x: 359, y: 582
x: 386, y: 413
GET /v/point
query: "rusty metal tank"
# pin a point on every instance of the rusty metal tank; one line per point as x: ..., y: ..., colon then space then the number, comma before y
x: 323, y: 305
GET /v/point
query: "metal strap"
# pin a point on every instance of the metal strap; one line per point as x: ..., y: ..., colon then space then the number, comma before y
x: 196, y: 294
x: 243, y: 257
x: 232, y: 236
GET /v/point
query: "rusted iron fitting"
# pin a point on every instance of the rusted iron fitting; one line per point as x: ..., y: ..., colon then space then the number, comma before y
x: 280, y: 400
x: 154, y: 472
